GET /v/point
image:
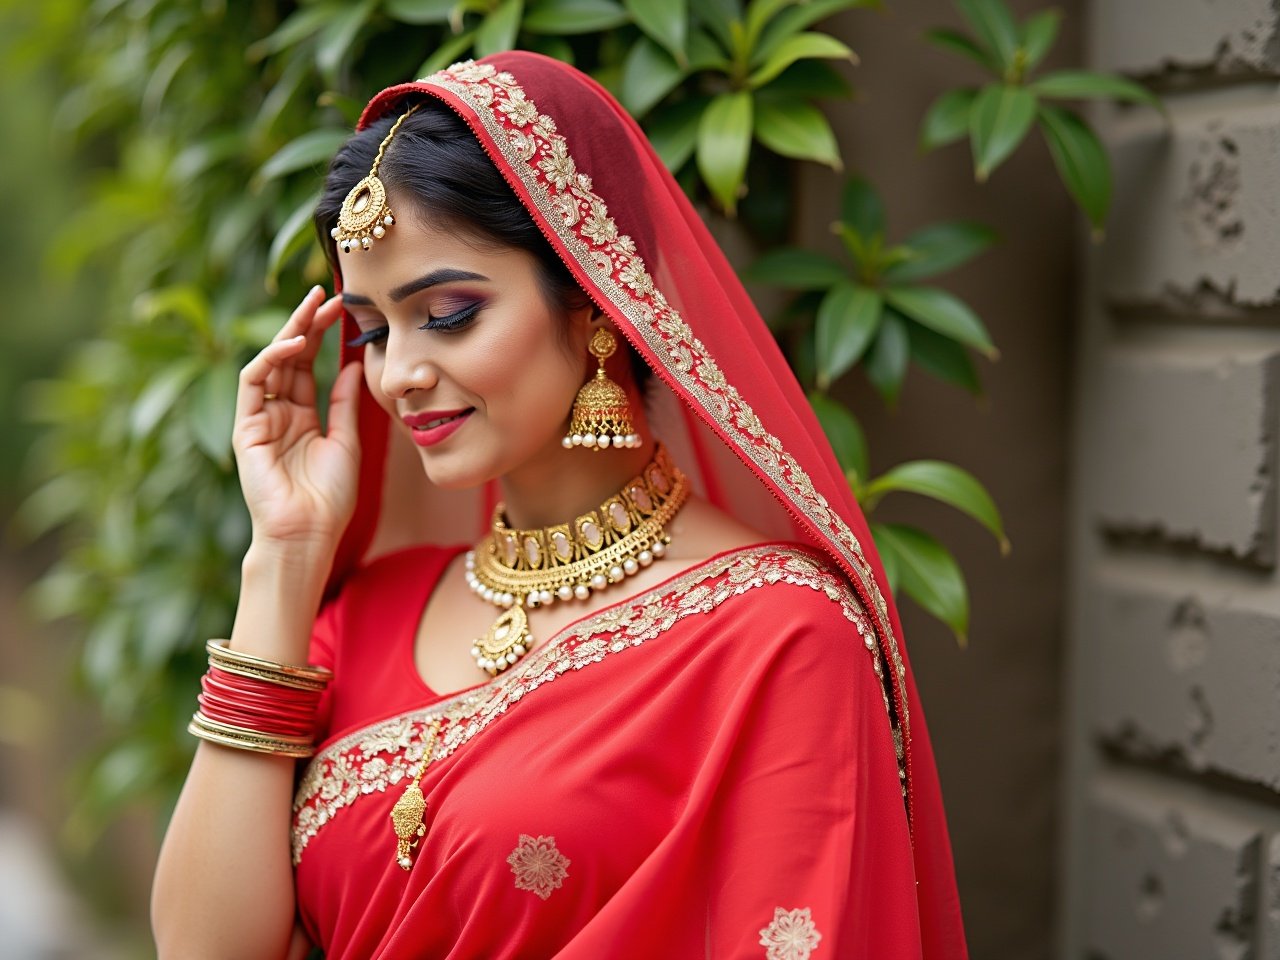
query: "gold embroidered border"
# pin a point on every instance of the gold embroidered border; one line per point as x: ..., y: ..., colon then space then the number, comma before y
x: 379, y: 756
x: 541, y: 158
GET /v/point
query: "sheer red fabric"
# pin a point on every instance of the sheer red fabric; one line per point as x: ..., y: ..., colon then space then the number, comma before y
x: 709, y: 795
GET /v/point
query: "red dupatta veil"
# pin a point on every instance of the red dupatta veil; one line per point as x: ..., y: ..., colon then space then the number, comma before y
x: 732, y: 412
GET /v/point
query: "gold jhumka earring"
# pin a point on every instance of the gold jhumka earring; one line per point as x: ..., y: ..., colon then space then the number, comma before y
x: 365, y: 216
x: 601, y: 413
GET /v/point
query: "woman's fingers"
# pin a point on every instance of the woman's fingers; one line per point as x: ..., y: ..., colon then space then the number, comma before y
x: 302, y: 315
x: 344, y: 406
x: 257, y: 374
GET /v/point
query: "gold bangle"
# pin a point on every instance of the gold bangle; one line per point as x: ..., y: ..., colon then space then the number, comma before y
x: 224, y: 657
x: 242, y: 738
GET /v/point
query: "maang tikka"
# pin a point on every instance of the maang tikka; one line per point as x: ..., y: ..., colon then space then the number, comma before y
x: 365, y: 216
x: 601, y: 412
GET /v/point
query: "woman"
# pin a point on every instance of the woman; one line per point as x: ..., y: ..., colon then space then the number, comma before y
x: 630, y: 720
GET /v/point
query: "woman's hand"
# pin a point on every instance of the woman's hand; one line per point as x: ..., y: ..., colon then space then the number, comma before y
x: 299, y: 483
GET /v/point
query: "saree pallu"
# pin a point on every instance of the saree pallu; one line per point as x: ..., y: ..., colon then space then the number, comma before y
x: 706, y: 770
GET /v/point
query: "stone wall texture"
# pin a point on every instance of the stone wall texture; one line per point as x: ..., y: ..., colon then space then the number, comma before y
x: 1173, y: 792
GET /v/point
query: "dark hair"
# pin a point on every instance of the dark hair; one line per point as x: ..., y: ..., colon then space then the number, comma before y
x: 436, y: 163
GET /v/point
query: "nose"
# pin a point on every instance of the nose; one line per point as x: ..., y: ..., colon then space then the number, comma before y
x: 404, y: 371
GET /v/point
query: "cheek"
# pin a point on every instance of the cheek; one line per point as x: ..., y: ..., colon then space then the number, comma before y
x: 530, y: 374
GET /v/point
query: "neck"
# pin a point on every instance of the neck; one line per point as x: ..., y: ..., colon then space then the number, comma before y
x: 563, y: 484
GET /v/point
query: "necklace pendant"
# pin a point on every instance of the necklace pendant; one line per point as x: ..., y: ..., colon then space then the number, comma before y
x: 506, y: 642
x: 408, y: 816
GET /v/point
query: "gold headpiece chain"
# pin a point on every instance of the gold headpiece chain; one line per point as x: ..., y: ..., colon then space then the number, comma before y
x: 365, y: 216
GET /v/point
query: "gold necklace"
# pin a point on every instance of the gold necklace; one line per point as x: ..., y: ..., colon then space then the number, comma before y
x: 408, y: 816
x: 519, y: 569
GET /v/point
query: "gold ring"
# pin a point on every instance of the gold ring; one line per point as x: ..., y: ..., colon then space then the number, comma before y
x: 271, y: 396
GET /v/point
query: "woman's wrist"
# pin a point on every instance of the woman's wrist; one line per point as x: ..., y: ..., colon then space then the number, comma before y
x: 281, y: 587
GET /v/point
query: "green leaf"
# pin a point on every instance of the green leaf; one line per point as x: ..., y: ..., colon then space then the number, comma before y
x: 300, y: 25
x: 497, y: 32
x: 946, y: 483
x: 886, y: 363
x: 802, y: 46
x: 567, y: 17
x: 848, y: 319
x: 1081, y: 161
x: 797, y: 17
x: 666, y: 21
x: 938, y: 248
x: 944, y: 358
x: 957, y: 42
x: 211, y: 412
x: 724, y: 141
x: 419, y: 11
x: 705, y: 53
x: 648, y: 74
x: 794, y: 269
x: 844, y: 433
x: 994, y: 26
x: 1039, y: 33
x: 292, y: 237
x: 947, y: 119
x: 998, y: 122
x: 673, y: 131
x: 716, y: 15
x: 446, y: 53
x: 862, y: 209
x: 806, y: 80
x: 797, y: 130
x: 928, y: 574
x: 339, y: 34
x: 943, y: 312
x: 160, y: 394
x: 309, y: 150
x: 1090, y: 85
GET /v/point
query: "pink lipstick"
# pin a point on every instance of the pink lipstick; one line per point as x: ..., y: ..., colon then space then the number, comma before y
x: 434, y: 426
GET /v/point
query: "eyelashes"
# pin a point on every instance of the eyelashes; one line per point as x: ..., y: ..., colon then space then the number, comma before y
x: 446, y: 324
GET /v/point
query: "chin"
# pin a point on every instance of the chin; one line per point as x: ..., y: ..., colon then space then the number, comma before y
x: 458, y: 470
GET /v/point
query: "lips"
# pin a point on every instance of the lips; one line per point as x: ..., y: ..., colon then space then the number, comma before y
x: 433, y: 426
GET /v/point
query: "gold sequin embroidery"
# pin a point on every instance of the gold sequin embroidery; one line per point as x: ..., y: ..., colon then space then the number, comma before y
x: 539, y: 867
x: 381, y: 755
x: 791, y: 935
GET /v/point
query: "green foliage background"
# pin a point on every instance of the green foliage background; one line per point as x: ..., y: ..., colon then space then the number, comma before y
x: 171, y: 153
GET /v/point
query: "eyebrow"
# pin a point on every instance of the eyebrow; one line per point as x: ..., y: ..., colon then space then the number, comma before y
x: 444, y: 275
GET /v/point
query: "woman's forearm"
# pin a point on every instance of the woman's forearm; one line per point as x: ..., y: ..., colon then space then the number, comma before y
x: 224, y: 882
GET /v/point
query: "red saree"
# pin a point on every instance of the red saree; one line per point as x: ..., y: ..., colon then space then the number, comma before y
x: 732, y: 764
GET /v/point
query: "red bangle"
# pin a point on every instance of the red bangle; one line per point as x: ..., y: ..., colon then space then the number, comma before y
x: 258, y: 705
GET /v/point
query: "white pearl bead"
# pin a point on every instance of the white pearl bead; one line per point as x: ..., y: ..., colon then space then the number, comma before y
x: 471, y: 559
x: 581, y: 591
x: 406, y: 862
x: 588, y: 439
x: 645, y: 558
x: 604, y: 441
x: 389, y: 220
x: 567, y: 443
x: 334, y: 233
x: 531, y: 600
x: 508, y: 600
x: 629, y: 566
x: 519, y: 650
x: 616, y: 574
x: 488, y: 594
x: 379, y: 231
x: 512, y: 657
x: 565, y: 593
x: 546, y: 596
x: 599, y: 581
x: 659, y: 549
x: 475, y: 651
x: 577, y: 439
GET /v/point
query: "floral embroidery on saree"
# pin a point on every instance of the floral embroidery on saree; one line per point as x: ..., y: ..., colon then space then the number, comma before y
x: 540, y: 157
x: 539, y: 867
x: 791, y: 935
x: 377, y: 757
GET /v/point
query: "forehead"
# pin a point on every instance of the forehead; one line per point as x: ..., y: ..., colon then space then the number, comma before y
x: 416, y: 245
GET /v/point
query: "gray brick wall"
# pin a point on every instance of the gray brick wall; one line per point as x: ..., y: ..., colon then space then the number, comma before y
x: 1173, y: 835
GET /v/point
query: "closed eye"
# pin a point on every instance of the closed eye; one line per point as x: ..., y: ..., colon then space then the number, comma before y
x: 447, y: 324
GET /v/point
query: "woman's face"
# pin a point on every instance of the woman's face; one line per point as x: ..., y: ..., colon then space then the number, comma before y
x: 463, y: 350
